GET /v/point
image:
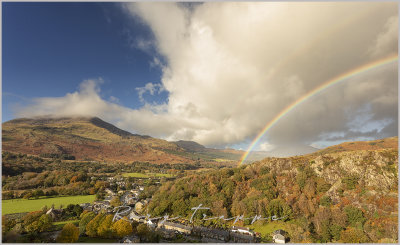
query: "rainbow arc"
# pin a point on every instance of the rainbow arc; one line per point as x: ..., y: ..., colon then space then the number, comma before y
x: 327, y: 84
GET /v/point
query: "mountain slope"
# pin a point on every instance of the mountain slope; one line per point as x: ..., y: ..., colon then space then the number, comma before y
x: 190, y: 146
x: 85, y: 138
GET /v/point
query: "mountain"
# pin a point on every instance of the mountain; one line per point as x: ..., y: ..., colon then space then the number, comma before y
x: 90, y: 138
x: 86, y: 138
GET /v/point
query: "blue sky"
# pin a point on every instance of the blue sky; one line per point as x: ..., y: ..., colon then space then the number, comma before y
x: 50, y: 48
x: 214, y: 73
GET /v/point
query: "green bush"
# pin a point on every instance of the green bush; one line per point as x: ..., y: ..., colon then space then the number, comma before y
x: 350, y: 182
x: 355, y: 216
x: 326, y: 201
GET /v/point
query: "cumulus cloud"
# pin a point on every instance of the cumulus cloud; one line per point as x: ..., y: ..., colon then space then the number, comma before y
x: 150, y: 88
x: 231, y: 67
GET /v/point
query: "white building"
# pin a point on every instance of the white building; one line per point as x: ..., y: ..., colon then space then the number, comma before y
x: 279, y: 236
x: 242, y: 230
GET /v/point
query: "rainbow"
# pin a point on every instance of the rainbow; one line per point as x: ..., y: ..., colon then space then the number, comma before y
x: 338, y: 79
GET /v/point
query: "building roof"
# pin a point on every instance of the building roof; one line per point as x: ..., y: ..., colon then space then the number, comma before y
x: 215, y: 231
x: 134, y: 215
x: 177, y: 225
x: 55, y: 211
x: 242, y: 236
x: 241, y: 228
x: 280, y: 232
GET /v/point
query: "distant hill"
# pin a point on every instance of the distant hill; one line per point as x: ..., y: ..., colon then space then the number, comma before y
x: 190, y: 146
x: 86, y: 138
x: 91, y: 138
x: 387, y: 143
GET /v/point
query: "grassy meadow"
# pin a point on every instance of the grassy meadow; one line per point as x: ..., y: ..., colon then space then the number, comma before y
x: 268, y: 227
x: 23, y: 205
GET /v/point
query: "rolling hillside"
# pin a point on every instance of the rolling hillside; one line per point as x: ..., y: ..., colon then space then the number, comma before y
x: 86, y: 139
x: 90, y: 138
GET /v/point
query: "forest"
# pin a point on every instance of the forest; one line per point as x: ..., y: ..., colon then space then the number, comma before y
x: 316, y: 207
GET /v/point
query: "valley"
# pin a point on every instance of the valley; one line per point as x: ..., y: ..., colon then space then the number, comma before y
x: 82, y: 170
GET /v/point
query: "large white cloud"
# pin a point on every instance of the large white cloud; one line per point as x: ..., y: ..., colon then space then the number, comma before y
x: 232, y: 67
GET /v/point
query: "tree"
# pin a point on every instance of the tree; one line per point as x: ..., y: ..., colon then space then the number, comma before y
x: 92, y: 226
x: 99, y: 195
x: 280, y: 209
x: 115, y: 202
x: 335, y: 231
x: 27, y: 195
x: 7, y: 224
x: 69, y: 233
x: 326, y: 201
x: 86, y: 218
x: 122, y: 228
x: 74, y: 210
x: 142, y: 230
x: 37, y: 193
x: 45, y: 223
x: 353, y: 235
x: 31, y: 217
x: 355, y: 216
x: 42, y: 224
x: 104, y: 229
x: 77, y: 210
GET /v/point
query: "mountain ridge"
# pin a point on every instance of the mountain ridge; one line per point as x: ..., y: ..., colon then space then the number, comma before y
x: 91, y: 138
x: 94, y: 139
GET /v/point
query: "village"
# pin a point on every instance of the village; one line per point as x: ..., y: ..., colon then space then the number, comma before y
x: 133, y: 207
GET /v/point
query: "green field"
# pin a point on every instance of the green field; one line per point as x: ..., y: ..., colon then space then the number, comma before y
x: 23, y: 205
x: 135, y: 175
x: 146, y: 175
x: 268, y: 228
x: 161, y: 175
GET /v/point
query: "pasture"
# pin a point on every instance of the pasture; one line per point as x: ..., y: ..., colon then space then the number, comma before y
x: 13, y: 206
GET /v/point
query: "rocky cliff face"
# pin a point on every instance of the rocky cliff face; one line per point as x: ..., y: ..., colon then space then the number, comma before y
x: 362, y: 177
x: 375, y: 168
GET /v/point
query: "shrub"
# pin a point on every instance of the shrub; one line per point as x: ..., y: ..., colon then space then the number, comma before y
x: 350, y: 182
x: 326, y: 201
x: 354, y: 216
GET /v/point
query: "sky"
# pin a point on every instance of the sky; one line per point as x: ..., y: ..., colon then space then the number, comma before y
x: 214, y: 73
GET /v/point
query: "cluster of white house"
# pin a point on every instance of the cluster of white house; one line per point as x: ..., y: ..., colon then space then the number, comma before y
x: 130, y: 198
x: 236, y: 234
x: 170, y: 229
